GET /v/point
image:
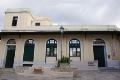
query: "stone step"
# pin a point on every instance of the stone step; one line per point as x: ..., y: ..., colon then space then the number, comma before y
x: 108, y: 69
x: 8, y: 70
x: 83, y: 65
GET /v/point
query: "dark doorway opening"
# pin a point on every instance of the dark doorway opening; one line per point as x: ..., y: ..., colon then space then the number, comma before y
x: 99, y: 55
x: 10, y: 56
x: 28, y: 52
x: 28, y: 56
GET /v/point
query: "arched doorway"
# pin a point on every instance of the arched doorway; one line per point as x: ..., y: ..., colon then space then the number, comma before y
x: 28, y: 52
x: 51, y: 49
x: 74, y: 48
x: 99, y: 52
x: 11, y: 46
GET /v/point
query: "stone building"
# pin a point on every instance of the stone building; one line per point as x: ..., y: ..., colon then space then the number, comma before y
x: 28, y: 40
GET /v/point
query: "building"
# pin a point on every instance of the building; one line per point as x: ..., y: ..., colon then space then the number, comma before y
x: 28, y: 40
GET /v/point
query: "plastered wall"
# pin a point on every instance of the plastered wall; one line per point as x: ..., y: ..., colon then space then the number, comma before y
x: 40, y: 46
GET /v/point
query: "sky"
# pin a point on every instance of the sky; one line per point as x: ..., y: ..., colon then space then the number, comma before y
x: 69, y: 12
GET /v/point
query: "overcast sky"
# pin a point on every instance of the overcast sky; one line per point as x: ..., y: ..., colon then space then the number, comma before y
x: 73, y: 12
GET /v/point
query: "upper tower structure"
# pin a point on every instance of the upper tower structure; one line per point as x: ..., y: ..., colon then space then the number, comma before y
x: 22, y: 19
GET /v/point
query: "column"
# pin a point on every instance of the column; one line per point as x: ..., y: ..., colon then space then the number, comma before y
x: 18, y: 59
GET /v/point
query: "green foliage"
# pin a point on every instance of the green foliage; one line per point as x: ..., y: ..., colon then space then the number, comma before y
x: 64, y: 60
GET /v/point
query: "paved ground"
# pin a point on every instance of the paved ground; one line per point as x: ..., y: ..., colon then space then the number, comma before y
x: 77, y: 75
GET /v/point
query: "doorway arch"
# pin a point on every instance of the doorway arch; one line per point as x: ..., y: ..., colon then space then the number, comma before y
x: 11, y: 47
x: 99, y: 50
x: 28, y: 52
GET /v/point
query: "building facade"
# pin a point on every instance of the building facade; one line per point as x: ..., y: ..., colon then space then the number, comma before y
x: 28, y: 40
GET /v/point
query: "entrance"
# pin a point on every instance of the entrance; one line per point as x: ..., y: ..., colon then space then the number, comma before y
x: 99, y: 55
x: 11, y: 46
x: 28, y: 52
x: 10, y: 56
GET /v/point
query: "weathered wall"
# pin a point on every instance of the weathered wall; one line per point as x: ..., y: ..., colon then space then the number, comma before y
x: 40, y: 46
x: 25, y: 20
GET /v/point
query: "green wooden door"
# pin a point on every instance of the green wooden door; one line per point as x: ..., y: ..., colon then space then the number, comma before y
x: 28, y: 52
x: 10, y: 56
x: 99, y: 55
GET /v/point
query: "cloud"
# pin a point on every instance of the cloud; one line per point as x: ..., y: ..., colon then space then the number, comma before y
x: 69, y: 11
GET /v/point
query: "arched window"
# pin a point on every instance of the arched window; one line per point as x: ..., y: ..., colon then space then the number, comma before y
x: 51, y: 48
x: 11, y: 47
x: 74, y: 48
x: 28, y: 51
x: 98, y: 42
x: 11, y: 41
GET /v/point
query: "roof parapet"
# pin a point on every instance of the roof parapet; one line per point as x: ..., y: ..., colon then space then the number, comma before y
x: 16, y: 10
